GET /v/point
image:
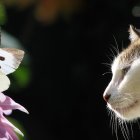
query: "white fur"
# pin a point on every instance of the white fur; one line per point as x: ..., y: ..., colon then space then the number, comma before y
x: 125, y: 92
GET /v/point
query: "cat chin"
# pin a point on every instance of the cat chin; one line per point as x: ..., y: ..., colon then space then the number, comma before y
x: 129, y: 113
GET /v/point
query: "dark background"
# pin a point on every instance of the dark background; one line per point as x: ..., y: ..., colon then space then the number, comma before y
x: 64, y: 97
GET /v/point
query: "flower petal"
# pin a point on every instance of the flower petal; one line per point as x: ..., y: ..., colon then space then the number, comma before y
x: 10, y: 125
x: 6, y: 103
x: 6, y: 129
x: 7, y: 112
x: 11, y: 134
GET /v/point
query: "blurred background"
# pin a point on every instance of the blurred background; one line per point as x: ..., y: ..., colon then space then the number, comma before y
x: 60, y: 81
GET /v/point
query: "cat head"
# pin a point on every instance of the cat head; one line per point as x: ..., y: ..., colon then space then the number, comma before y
x: 123, y: 92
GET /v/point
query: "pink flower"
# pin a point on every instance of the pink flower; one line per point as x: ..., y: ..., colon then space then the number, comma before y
x: 7, y: 129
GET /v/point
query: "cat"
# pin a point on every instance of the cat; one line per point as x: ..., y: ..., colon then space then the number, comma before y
x: 123, y: 92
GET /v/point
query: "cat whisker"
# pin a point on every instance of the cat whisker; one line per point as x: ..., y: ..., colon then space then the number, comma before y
x: 126, y: 95
x: 109, y: 59
x: 113, y: 54
x: 106, y: 73
x: 107, y: 65
x: 124, y: 132
x: 111, y: 119
x: 116, y: 127
x: 131, y: 129
x: 127, y: 130
x: 112, y: 122
x: 138, y: 123
x: 110, y: 113
x: 115, y: 49
x: 117, y: 46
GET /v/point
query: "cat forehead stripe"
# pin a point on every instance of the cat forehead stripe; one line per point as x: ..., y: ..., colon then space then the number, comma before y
x: 130, y: 53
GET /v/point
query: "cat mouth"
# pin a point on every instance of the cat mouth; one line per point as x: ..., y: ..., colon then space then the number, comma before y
x: 123, y: 110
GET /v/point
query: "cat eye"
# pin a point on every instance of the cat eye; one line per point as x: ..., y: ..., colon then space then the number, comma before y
x: 125, y: 70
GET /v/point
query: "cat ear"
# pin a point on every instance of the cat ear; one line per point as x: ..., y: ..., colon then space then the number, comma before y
x: 134, y: 33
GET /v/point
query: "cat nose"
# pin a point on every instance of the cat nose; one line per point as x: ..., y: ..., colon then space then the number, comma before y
x: 106, y: 97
